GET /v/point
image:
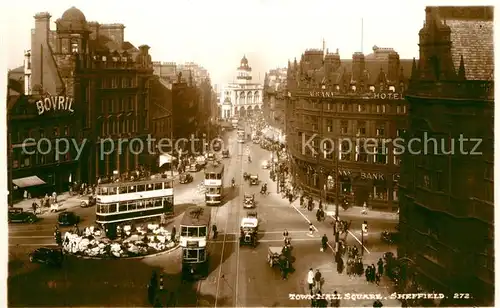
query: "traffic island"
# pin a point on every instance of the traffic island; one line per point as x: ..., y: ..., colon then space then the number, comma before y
x: 132, y: 243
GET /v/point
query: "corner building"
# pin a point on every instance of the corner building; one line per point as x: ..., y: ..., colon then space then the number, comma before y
x: 109, y: 80
x: 362, y: 99
x: 446, y: 200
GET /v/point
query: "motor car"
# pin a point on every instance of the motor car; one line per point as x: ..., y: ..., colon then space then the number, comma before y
x: 266, y: 164
x: 225, y: 153
x: 248, y: 231
x: 18, y: 215
x: 68, y: 218
x: 46, y: 255
x: 254, y: 179
x: 185, y: 178
x: 194, y: 168
x: 249, y: 201
x: 91, y: 201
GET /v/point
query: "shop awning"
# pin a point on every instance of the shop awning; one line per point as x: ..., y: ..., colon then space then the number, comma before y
x: 165, y: 159
x: 28, y: 181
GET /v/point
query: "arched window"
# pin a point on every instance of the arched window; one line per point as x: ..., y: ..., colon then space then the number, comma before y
x: 75, y: 48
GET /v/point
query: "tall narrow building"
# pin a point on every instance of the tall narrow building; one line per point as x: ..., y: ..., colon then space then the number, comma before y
x: 446, y: 185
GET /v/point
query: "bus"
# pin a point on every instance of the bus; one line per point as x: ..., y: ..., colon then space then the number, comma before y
x: 121, y: 202
x: 214, y: 177
x: 195, y: 229
x: 241, y: 135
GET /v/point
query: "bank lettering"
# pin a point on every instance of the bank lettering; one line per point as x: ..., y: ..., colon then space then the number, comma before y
x: 363, y: 175
x: 55, y: 103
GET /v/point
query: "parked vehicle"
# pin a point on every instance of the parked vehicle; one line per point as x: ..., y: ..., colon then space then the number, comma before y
x: 48, y: 256
x: 68, y: 218
x: 18, y: 215
x: 185, y: 178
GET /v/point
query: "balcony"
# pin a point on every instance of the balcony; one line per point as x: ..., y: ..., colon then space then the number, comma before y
x: 434, y: 201
x: 482, y: 210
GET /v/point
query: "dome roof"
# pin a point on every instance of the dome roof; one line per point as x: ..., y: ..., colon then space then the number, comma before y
x: 244, y: 61
x: 73, y: 14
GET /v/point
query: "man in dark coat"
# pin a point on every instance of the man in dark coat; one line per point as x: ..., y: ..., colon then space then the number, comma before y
x: 380, y: 265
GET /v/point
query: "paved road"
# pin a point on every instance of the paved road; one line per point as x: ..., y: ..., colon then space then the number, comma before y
x: 239, y: 276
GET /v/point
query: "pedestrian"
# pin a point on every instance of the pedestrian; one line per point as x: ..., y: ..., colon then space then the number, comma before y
x: 324, y: 242
x: 377, y: 279
x: 311, y: 228
x: 340, y: 265
x: 374, y: 272
x: 317, y: 280
x: 321, y: 301
x: 335, y: 302
x: 285, y: 234
x: 320, y: 206
x: 172, y: 235
x: 310, y: 280
x: 380, y: 265
x: 33, y: 206
x: 214, y: 232
x: 377, y: 304
x: 367, y: 274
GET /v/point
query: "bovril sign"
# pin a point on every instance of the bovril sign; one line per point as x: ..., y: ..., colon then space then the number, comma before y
x: 55, y: 103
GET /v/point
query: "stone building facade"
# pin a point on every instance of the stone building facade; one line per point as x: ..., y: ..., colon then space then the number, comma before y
x: 446, y: 194
x: 339, y: 114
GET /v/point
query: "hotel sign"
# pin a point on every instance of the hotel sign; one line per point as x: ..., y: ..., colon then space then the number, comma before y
x: 390, y: 95
x: 55, y: 103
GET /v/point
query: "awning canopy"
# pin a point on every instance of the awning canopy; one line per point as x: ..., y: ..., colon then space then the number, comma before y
x: 28, y: 181
x: 165, y: 159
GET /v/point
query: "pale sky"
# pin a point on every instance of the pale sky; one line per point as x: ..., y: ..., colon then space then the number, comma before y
x: 216, y: 34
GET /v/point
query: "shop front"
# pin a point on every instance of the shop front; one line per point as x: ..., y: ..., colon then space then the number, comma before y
x: 377, y: 189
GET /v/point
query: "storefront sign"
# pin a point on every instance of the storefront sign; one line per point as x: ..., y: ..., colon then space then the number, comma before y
x: 372, y: 176
x: 363, y: 175
x: 389, y: 95
x: 322, y: 94
x: 57, y: 102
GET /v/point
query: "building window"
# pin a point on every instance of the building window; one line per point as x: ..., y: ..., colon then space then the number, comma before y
x: 42, y: 159
x: 327, y: 150
x: 314, y: 126
x: 345, y: 185
x: 361, y: 128
x: 130, y: 103
x: 381, y: 154
x: 361, y: 108
x: 440, y: 181
x: 114, y: 83
x: 426, y: 181
x: 345, y: 151
x: 74, y: 47
x: 395, y: 193
x: 404, y: 109
x: 392, y: 88
x: 398, y: 109
x: 66, y: 131
x: 329, y: 126
x: 396, y: 157
x: 122, y: 105
x: 329, y: 106
x: 344, y: 127
x: 361, y: 155
x: 380, y: 130
x: 379, y: 190
x: 56, y: 131
x: 26, y: 162
x: 345, y: 107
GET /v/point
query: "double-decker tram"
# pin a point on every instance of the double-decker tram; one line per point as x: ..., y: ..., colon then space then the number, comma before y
x: 214, y: 176
x: 142, y: 200
x: 195, y: 228
x: 241, y: 135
